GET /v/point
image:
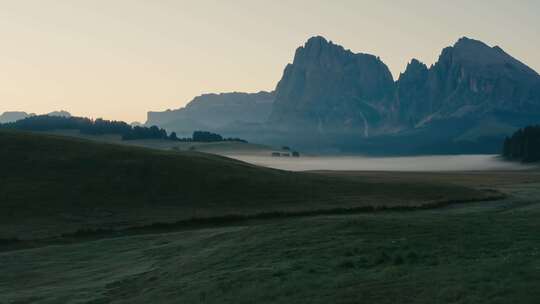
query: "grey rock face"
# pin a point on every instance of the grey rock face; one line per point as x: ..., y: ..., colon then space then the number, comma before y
x: 470, y: 79
x: 215, y: 111
x: 329, y: 89
x: 412, y: 93
x: 473, y: 91
x: 332, y: 97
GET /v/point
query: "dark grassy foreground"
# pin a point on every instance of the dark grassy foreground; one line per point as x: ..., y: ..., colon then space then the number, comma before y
x: 479, y: 253
x: 88, y: 215
x: 56, y: 185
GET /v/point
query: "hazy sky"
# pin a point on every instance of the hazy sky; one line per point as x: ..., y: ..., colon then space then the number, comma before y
x: 117, y: 59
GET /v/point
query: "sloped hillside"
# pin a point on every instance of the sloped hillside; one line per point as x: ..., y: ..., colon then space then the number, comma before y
x: 53, y: 185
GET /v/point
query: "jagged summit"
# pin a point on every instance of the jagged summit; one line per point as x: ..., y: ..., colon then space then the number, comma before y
x: 471, y: 80
x: 472, y: 52
x: 320, y: 48
x: 330, y: 92
x: 330, y: 89
x: 416, y: 62
x: 469, y: 42
x: 317, y: 40
x: 414, y: 67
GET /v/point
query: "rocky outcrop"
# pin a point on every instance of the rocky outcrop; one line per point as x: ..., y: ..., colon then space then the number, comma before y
x: 412, y: 93
x: 473, y: 96
x: 328, y: 89
x: 470, y: 80
x: 473, y: 92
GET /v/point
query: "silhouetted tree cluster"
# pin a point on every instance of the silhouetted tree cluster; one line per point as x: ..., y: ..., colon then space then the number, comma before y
x: 205, y: 136
x: 145, y: 133
x: 524, y: 145
x: 102, y: 127
x: 235, y: 139
x: 47, y: 123
x: 88, y: 126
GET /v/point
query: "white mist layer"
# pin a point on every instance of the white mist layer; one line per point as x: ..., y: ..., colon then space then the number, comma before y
x: 406, y: 164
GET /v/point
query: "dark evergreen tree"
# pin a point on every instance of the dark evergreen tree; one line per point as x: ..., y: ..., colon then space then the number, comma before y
x: 523, y: 145
x: 87, y: 126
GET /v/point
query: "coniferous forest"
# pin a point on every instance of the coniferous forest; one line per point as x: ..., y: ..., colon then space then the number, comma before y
x: 87, y: 126
x: 523, y: 145
x: 101, y: 127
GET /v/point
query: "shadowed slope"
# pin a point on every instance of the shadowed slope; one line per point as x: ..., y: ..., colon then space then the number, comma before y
x: 53, y: 185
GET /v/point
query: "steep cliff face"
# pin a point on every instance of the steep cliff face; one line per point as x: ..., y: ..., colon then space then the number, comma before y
x: 328, y: 89
x: 472, y: 79
x: 330, y: 97
x: 412, y: 93
x: 473, y: 92
x: 215, y: 111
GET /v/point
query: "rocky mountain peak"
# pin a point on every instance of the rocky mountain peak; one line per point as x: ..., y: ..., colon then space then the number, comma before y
x: 466, y: 42
x: 333, y: 89
x: 316, y: 41
x: 318, y: 50
x: 414, y: 70
x: 471, y: 53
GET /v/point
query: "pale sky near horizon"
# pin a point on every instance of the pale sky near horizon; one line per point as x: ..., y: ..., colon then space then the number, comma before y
x: 118, y: 59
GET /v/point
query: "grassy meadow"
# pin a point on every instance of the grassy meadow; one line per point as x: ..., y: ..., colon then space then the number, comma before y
x: 86, y: 222
x: 477, y: 253
x: 54, y: 185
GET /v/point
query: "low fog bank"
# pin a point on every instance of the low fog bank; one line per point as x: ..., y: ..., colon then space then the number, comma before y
x: 361, y: 163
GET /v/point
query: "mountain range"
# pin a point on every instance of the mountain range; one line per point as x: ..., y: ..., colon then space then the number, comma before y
x: 12, y: 116
x: 215, y: 112
x: 468, y: 101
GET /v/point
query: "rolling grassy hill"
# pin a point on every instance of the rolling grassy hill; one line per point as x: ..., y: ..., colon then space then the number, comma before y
x: 55, y: 185
x: 485, y: 252
x: 219, y: 148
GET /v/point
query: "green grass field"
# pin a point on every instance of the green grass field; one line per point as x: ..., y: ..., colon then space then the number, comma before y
x: 55, y: 185
x: 478, y: 253
x: 220, y: 148
x: 294, y: 237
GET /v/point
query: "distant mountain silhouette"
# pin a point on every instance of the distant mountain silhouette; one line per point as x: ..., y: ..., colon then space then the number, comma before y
x: 330, y: 97
x: 215, y: 112
x: 12, y: 116
x: 470, y: 79
x: 61, y: 113
x: 328, y: 89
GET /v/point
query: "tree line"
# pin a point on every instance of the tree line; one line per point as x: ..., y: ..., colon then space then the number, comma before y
x: 87, y: 126
x: 102, y: 127
x: 523, y: 145
x: 204, y: 136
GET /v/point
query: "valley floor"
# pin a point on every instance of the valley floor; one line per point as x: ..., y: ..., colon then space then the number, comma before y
x: 484, y: 252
